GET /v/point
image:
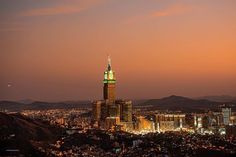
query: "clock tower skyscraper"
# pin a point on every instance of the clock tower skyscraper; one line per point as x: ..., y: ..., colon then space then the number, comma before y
x: 111, y: 112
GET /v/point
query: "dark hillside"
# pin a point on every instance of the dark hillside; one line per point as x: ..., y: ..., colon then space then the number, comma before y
x: 21, y: 133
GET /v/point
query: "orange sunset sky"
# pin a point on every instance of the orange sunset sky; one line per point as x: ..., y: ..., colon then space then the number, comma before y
x: 55, y: 50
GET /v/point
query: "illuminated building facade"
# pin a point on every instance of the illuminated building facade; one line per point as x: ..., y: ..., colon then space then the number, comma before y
x: 169, y: 122
x: 226, y: 112
x: 144, y: 125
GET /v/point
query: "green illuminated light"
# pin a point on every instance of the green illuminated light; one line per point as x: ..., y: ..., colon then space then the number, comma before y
x: 109, y: 81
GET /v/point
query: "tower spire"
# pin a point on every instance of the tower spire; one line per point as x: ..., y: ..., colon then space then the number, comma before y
x: 109, y: 62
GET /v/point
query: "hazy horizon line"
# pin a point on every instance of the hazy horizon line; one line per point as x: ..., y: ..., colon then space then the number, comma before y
x: 73, y: 100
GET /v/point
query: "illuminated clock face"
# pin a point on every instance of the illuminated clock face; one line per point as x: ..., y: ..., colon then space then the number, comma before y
x: 111, y: 75
x: 105, y: 75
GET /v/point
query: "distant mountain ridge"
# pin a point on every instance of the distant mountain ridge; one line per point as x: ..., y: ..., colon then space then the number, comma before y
x: 167, y: 103
x: 219, y: 98
x: 26, y: 101
x: 181, y: 103
x: 13, y: 106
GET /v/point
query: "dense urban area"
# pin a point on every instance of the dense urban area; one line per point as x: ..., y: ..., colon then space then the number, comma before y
x: 154, y: 133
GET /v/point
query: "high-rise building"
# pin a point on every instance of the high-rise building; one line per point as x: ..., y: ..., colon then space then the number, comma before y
x: 125, y: 110
x: 96, y: 108
x: 111, y: 111
x: 104, y: 110
x: 109, y: 83
x: 226, y: 112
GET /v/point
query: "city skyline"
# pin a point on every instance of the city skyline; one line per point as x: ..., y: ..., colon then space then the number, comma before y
x: 55, y: 51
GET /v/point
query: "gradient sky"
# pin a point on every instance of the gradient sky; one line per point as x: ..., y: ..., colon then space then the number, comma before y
x: 57, y: 49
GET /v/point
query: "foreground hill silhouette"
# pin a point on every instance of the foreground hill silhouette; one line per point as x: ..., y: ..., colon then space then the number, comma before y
x: 22, y: 133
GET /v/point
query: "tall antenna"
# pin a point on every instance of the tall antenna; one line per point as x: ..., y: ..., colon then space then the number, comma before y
x: 109, y: 62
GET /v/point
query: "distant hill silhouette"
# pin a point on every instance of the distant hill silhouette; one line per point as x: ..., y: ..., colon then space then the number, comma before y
x: 220, y: 98
x: 38, y: 105
x: 167, y: 103
x: 26, y: 101
x: 20, y: 132
x: 181, y: 103
x: 12, y: 106
x: 138, y: 101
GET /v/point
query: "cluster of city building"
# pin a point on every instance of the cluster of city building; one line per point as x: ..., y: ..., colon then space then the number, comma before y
x: 112, y: 114
x: 204, y: 123
x: 66, y: 118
